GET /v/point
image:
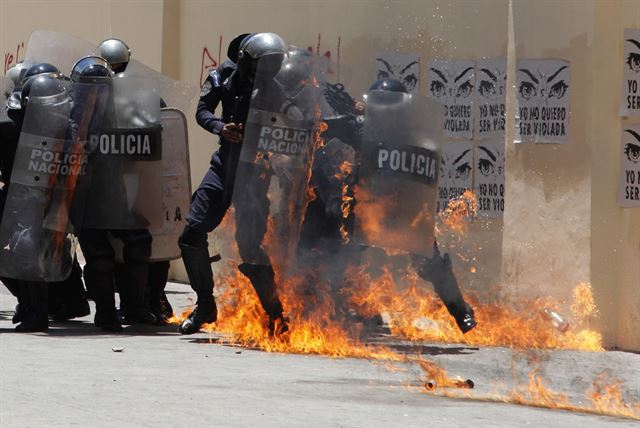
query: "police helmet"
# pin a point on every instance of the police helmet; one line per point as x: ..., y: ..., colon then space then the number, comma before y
x: 46, y: 89
x: 388, y: 92
x: 391, y: 85
x: 41, y: 68
x: 91, y: 69
x: 234, y: 47
x: 296, y: 69
x: 269, y: 48
x: 116, y: 52
x: 262, y: 44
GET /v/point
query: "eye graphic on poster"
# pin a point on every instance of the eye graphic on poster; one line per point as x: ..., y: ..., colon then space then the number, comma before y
x: 451, y: 88
x: 633, y: 150
x: 630, y: 98
x: 402, y: 67
x: 491, y: 83
x: 456, y: 166
x: 543, y: 94
x: 629, y: 179
x: 453, y: 83
x: 456, y: 171
x: 538, y: 84
x: 633, y: 58
x: 490, y: 161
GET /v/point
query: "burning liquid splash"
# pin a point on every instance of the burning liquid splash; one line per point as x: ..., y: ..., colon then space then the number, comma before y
x: 319, y: 324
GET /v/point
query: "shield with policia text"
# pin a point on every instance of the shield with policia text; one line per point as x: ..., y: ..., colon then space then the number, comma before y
x: 44, y: 200
x: 273, y: 171
x: 125, y: 159
x: 397, y: 189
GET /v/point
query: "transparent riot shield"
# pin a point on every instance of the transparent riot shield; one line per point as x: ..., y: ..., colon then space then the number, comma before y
x: 397, y: 187
x: 274, y: 164
x: 176, y: 188
x: 56, y: 48
x: 63, y: 50
x: 44, y: 197
x: 125, y: 159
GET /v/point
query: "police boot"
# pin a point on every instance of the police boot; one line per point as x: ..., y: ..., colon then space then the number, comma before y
x: 137, y: 308
x: 68, y: 299
x: 262, y: 278
x: 198, y: 267
x: 100, y: 287
x: 36, y: 317
x: 158, y: 302
x: 438, y: 271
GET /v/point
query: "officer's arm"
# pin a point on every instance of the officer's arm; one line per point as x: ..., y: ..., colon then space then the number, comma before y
x: 210, y: 97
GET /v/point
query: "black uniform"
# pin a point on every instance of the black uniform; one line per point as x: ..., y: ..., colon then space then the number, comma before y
x: 212, y: 198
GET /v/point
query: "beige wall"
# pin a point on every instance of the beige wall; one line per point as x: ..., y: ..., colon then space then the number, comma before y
x: 561, y: 225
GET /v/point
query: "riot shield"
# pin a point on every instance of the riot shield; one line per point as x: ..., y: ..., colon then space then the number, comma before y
x: 63, y: 50
x: 42, y: 204
x: 59, y: 49
x: 176, y: 188
x: 275, y: 160
x: 125, y: 159
x: 397, y: 188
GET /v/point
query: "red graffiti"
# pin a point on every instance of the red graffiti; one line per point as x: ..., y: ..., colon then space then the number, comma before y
x: 10, y: 59
x: 207, y: 64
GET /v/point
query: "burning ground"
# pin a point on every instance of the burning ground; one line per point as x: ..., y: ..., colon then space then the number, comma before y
x: 418, y: 335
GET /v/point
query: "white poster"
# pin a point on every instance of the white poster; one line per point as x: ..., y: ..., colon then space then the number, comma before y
x: 630, y: 102
x: 489, y: 177
x: 490, y: 107
x: 629, y: 188
x: 399, y: 66
x: 451, y: 82
x: 456, y: 171
x: 544, y: 91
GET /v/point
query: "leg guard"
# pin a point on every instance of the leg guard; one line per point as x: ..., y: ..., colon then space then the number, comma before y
x: 262, y: 278
x: 438, y: 271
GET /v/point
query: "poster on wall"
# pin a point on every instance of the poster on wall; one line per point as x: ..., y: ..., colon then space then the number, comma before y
x: 399, y: 66
x: 544, y: 91
x: 490, y: 106
x: 451, y: 82
x: 629, y: 188
x: 489, y: 177
x: 630, y: 100
x: 456, y: 171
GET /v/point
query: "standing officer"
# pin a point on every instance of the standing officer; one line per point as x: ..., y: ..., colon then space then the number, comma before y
x: 213, y: 197
x: 118, y: 54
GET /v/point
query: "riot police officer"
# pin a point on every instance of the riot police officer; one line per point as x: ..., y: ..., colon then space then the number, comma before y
x: 118, y: 54
x: 66, y: 299
x: 98, y: 251
x: 213, y: 197
x: 324, y: 216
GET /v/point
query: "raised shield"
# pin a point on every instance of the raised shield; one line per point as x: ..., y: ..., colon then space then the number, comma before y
x: 44, y: 199
x: 275, y: 160
x: 397, y: 187
x: 125, y: 159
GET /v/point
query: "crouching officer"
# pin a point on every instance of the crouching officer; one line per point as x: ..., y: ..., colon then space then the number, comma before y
x: 212, y: 199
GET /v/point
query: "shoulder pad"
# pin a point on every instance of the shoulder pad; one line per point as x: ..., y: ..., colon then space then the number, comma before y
x: 216, y: 78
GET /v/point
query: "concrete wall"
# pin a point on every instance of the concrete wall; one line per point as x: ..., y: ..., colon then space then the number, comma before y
x: 561, y: 225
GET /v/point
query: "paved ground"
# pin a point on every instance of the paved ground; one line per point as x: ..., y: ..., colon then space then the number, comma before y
x: 72, y: 377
